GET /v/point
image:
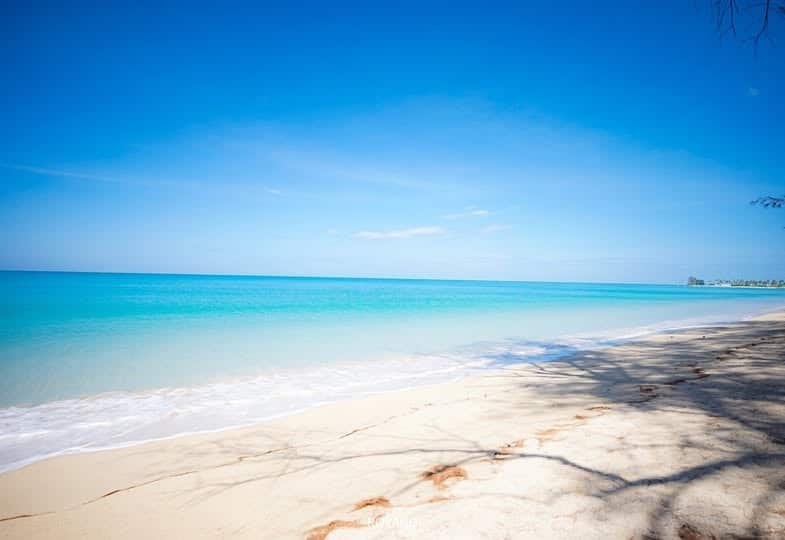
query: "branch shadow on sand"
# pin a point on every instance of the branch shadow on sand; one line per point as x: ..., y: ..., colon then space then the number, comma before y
x: 736, y: 383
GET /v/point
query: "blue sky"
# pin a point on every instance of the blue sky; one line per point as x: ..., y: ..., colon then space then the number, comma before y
x: 602, y: 142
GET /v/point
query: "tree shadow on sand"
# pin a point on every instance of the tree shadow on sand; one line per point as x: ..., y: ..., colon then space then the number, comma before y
x: 736, y: 383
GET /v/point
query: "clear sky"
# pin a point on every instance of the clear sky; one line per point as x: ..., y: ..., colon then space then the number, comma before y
x: 573, y: 141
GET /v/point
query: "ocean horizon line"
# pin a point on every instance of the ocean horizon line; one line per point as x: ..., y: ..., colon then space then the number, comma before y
x: 342, y: 277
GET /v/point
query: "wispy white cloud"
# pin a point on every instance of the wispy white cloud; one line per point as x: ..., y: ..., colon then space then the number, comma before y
x: 185, y: 184
x: 402, y: 233
x: 753, y: 92
x: 496, y: 227
x: 65, y: 174
x: 479, y: 212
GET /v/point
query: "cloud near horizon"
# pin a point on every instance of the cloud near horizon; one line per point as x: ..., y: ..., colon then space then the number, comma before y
x: 402, y: 233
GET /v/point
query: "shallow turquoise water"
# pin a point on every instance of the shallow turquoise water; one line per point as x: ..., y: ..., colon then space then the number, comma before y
x: 65, y: 335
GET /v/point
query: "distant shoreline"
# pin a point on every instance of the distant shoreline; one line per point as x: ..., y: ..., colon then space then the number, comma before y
x: 735, y: 287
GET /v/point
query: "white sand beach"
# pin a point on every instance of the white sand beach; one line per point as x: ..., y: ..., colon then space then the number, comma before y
x: 677, y: 435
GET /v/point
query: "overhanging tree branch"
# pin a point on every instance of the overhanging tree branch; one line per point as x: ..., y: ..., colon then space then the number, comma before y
x: 769, y: 202
x: 746, y: 21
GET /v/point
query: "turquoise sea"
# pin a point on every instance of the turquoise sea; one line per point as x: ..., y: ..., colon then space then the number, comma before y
x: 92, y: 361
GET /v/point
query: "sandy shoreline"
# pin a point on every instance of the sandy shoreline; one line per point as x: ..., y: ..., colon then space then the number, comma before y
x: 676, y: 434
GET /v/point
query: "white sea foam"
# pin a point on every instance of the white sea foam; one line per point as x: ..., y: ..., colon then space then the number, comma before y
x: 116, y: 419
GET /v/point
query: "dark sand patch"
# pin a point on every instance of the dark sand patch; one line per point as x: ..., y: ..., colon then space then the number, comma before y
x: 374, y: 501
x: 688, y: 532
x: 441, y: 473
x: 321, y: 532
